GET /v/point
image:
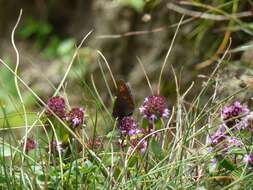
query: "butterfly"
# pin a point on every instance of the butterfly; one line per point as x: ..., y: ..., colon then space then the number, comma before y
x: 124, y: 103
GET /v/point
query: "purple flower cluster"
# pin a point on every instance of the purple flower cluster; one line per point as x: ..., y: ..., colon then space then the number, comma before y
x: 57, y: 106
x: 128, y: 128
x: 234, y: 142
x: 30, y: 144
x: 247, y: 122
x: 248, y: 159
x: 136, y: 141
x: 233, y: 114
x: 75, y: 117
x: 154, y: 107
x: 236, y: 118
x: 223, y: 142
x: 218, y: 136
x: 127, y: 125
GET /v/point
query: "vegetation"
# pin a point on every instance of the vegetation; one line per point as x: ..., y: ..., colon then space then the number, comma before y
x: 74, y: 123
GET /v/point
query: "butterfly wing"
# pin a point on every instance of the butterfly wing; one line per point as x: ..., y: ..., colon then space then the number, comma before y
x: 124, y: 103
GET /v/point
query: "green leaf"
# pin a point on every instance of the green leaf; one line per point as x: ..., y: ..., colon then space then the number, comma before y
x: 156, y: 149
x: 62, y: 133
x: 227, y: 164
x: 132, y: 161
x: 150, y: 5
x: 107, y: 159
x: 3, y: 179
x: 145, y: 124
x: 87, y: 167
x: 66, y: 47
x: 51, y: 49
x: 34, y: 27
x: 16, y: 120
x: 158, y: 124
x: 116, y: 172
x: 138, y: 5
x: 5, y: 151
x: 112, y: 134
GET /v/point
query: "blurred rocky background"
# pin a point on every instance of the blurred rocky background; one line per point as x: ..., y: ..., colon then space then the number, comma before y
x: 124, y: 30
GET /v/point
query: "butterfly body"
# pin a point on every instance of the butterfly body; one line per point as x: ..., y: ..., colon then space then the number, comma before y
x: 124, y: 103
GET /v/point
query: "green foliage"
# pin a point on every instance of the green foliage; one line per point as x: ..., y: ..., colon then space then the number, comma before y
x: 8, y: 94
x: 138, y: 5
x: 156, y: 150
x: 42, y: 34
x: 227, y: 164
x: 9, y: 98
x: 36, y: 29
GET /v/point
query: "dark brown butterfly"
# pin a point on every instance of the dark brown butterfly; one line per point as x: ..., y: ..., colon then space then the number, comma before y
x: 124, y: 103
